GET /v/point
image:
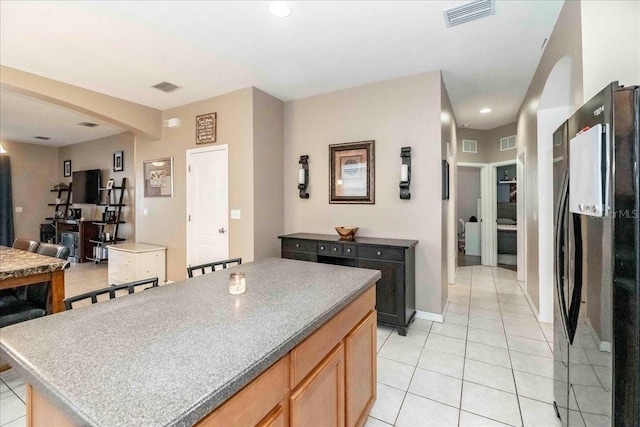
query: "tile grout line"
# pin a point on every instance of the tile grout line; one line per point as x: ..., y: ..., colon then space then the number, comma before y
x: 464, y: 358
x: 515, y: 384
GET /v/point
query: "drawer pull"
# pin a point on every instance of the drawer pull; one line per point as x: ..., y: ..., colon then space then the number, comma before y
x: 297, y: 245
x: 322, y: 248
x: 335, y: 249
x: 348, y: 250
x: 378, y: 253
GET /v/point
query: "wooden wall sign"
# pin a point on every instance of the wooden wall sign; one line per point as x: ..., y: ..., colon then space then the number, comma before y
x: 206, y: 128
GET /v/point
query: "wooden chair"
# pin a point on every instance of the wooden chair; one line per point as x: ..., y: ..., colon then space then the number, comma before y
x: 111, y: 290
x: 212, y: 266
x: 26, y: 244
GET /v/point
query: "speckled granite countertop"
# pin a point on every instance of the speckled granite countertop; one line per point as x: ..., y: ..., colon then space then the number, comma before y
x: 19, y: 263
x: 170, y: 355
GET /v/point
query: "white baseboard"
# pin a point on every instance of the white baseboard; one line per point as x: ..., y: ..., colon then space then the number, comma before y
x: 426, y: 315
x: 532, y: 306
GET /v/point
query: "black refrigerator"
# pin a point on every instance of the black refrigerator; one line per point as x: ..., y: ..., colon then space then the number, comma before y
x: 596, y: 250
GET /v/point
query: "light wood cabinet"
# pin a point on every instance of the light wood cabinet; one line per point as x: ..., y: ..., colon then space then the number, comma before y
x: 320, y: 400
x: 360, y: 362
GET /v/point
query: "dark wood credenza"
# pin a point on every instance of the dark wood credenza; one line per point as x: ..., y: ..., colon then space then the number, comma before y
x: 395, y: 259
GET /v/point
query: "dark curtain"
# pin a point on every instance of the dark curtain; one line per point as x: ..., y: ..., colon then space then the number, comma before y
x: 6, y: 202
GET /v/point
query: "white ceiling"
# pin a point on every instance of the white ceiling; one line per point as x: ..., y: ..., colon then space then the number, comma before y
x: 23, y: 118
x: 211, y: 48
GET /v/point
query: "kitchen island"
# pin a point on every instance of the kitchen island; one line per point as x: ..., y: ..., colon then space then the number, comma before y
x: 298, y: 346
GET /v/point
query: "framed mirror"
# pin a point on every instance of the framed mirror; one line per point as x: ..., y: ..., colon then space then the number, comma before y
x: 352, y: 173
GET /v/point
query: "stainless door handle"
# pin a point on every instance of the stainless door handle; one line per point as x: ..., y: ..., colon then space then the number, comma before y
x: 222, y: 231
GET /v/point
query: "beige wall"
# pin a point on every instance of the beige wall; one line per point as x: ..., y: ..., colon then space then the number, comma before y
x: 166, y: 222
x: 565, y: 40
x: 98, y: 154
x: 488, y: 144
x: 268, y: 170
x: 610, y: 44
x: 127, y: 115
x: 396, y: 113
x: 34, y: 172
x: 448, y: 150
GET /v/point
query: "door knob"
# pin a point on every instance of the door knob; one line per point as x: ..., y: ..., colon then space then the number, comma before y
x: 222, y: 231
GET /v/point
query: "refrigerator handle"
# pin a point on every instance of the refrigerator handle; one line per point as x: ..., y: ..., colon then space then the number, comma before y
x: 559, y: 256
x: 576, y: 297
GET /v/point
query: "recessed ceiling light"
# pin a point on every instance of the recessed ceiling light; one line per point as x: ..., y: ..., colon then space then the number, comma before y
x: 279, y: 9
x: 485, y: 110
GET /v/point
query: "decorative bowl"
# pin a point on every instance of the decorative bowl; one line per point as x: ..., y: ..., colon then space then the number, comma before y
x: 347, y: 233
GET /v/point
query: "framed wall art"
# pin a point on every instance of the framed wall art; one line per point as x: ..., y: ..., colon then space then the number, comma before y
x: 445, y: 180
x: 352, y: 172
x: 118, y: 161
x: 158, y: 177
x: 206, y: 125
x: 66, y: 168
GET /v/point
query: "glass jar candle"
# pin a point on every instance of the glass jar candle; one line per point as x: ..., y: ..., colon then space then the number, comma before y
x: 237, y: 283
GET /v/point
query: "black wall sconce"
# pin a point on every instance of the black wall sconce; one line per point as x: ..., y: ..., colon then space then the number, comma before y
x: 303, y: 176
x: 405, y: 173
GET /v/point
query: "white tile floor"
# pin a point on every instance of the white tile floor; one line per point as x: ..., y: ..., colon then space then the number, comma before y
x: 488, y: 364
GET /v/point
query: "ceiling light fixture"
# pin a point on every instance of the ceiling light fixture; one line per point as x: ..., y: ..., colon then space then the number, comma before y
x: 279, y: 9
x: 485, y: 110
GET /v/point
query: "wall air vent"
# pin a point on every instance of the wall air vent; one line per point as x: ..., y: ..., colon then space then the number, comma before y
x: 508, y: 143
x: 88, y: 124
x: 44, y: 138
x: 468, y: 12
x: 166, y: 87
x: 469, y: 146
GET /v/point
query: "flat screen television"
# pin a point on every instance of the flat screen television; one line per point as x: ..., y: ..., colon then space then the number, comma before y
x: 86, y: 186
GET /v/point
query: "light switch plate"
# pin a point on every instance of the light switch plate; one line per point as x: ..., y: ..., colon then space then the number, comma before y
x: 145, y: 211
x: 18, y: 209
x: 235, y: 214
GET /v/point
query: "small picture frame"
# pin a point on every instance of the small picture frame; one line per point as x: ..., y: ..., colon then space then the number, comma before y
x: 206, y: 128
x: 110, y: 184
x: 118, y: 161
x: 158, y: 177
x: 66, y: 168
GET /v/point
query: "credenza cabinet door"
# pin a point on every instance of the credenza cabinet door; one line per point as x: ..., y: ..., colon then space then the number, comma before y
x: 360, y: 359
x: 389, y: 290
x: 319, y: 401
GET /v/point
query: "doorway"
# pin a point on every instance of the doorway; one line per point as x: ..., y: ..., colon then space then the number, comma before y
x: 469, y: 208
x: 207, y: 205
x: 506, y: 209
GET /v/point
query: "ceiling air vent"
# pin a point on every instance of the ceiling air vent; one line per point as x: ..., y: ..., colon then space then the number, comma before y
x: 44, y: 138
x: 468, y: 12
x: 166, y: 87
x: 88, y: 124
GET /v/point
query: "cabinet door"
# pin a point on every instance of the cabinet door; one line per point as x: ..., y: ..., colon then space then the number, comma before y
x: 389, y: 290
x: 360, y: 364
x: 319, y: 401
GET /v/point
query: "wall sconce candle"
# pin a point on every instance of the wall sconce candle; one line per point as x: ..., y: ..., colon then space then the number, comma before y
x: 303, y: 177
x: 405, y: 173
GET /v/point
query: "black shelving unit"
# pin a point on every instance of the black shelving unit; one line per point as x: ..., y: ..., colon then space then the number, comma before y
x: 111, y: 220
x: 49, y: 232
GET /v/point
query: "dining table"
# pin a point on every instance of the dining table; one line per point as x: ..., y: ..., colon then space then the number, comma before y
x: 23, y: 268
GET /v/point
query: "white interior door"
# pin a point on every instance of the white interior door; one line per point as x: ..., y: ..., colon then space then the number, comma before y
x: 207, y: 205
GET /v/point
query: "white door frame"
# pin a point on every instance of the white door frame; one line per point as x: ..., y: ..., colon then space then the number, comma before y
x: 221, y: 147
x: 494, y: 207
x: 485, y: 196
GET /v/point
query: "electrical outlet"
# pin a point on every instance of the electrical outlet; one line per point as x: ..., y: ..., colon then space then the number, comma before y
x: 145, y: 211
x: 235, y: 214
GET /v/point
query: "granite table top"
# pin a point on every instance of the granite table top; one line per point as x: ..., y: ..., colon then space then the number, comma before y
x: 19, y: 263
x: 171, y: 355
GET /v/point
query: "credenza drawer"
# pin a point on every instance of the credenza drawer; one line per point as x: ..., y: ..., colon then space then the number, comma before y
x: 298, y: 245
x: 381, y: 252
x: 350, y: 251
x: 324, y: 248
